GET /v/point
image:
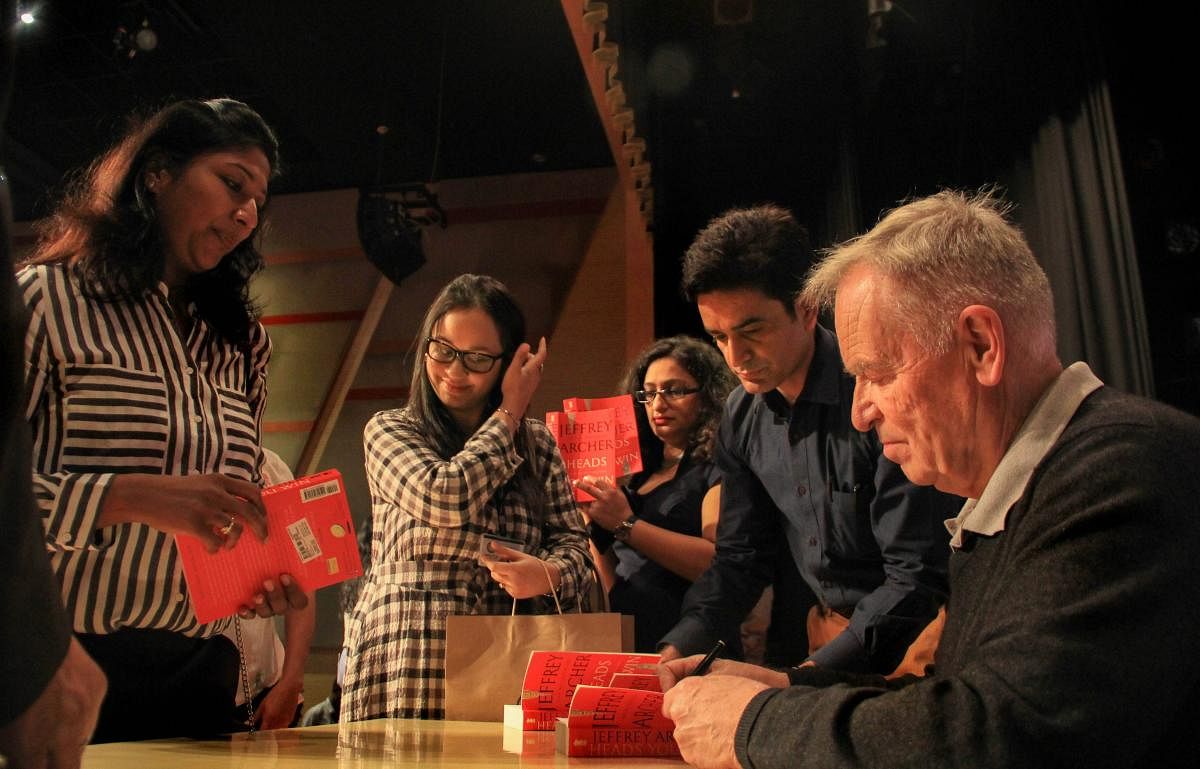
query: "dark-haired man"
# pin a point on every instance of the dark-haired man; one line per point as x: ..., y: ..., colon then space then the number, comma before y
x: 799, y: 482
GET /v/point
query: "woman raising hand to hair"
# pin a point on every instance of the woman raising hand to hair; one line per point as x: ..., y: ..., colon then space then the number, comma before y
x: 458, y: 462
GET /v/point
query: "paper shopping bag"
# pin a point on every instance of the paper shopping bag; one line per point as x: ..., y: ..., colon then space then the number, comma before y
x: 486, y: 655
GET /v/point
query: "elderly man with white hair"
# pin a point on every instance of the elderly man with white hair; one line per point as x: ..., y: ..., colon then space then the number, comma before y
x: 1075, y: 609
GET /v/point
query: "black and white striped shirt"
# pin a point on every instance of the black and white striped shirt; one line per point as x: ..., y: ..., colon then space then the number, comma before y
x: 113, y: 388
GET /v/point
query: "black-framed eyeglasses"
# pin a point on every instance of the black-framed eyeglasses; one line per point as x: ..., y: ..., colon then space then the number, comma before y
x: 476, y: 362
x: 671, y: 394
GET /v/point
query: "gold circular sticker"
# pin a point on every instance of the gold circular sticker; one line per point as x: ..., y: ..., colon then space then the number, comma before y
x: 337, y: 530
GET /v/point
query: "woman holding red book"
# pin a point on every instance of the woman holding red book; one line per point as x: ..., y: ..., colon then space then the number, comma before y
x: 656, y: 534
x: 146, y: 367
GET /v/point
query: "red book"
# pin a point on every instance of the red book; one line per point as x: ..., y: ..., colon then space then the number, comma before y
x: 629, y: 451
x: 607, y: 721
x: 552, y: 676
x: 586, y: 443
x: 647, y: 682
x: 310, y: 536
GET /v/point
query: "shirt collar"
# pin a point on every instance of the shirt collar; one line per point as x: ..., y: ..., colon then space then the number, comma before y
x: 164, y: 293
x: 821, y: 384
x: 1029, y: 447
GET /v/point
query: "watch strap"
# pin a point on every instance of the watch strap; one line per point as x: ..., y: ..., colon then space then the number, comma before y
x: 624, y: 528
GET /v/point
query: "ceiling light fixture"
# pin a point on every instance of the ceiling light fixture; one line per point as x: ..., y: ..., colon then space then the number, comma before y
x: 142, y: 39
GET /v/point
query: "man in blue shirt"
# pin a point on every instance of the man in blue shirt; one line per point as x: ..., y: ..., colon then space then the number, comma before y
x: 799, y: 482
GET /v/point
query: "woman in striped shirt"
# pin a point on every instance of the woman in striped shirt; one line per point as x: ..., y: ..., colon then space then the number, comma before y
x: 146, y: 366
x: 457, y: 463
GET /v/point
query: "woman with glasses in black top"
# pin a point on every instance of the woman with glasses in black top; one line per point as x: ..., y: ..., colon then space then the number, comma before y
x: 458, y: 462
x: 656, y: 533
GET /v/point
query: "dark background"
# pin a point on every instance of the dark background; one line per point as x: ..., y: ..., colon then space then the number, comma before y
x: 741, y: 101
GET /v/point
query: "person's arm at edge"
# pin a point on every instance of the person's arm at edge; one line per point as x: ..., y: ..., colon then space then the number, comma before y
x: 682, y: 554
x: 278, y: 708
x: 721, y: 598
x: 53, y: 689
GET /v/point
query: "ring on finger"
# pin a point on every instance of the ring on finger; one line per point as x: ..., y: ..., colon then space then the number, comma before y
x: 228, y: 527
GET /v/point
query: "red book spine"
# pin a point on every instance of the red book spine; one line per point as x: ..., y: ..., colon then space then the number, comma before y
x: 625, y: 430
x: 606, y: 721
x: 538, y: 720
x: 585, y: 443
x: 645, y: 681
x: 620, y: 742
x: 552, y: 677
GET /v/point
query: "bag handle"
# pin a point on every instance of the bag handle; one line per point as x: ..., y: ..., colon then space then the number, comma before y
x: 599, y: 588
x: 549, y: 581
x: 553, y: 592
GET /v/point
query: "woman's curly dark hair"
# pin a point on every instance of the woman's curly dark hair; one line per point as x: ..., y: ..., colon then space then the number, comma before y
x: 707, y: 367
x: 105, y: 227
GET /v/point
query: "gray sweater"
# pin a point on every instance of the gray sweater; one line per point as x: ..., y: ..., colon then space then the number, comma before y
x: 1071, y: 638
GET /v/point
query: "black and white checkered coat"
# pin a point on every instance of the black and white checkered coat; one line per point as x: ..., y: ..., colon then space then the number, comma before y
x: 428, y: 515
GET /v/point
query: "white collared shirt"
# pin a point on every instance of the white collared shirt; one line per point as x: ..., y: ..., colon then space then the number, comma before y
x: 1029, y: 447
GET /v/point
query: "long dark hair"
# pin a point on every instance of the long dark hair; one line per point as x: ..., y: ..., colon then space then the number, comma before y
x: 708, y: 368
x: 490, y: 295
x: 105, y: 227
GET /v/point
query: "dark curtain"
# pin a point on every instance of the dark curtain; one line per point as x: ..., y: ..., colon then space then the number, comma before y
x: 1075, y: 213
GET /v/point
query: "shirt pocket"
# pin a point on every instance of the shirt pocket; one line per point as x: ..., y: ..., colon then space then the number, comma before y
x: 850, y: 524
x: 114, y: 419
x: 238, y: 431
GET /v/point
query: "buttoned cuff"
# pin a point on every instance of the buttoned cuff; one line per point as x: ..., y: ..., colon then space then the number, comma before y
x: 844, y: 652
x: 75, y: 503
x: 689, y: 636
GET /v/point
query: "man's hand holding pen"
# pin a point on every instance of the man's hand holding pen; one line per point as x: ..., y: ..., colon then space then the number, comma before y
x: 672, y: 672
x: 708, y: 660
x: 706, y: 707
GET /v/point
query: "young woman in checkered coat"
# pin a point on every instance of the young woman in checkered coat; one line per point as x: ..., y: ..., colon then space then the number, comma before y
x: 459, y: 461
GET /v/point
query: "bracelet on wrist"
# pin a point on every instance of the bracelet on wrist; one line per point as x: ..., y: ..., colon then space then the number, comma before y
x: 511, y: 418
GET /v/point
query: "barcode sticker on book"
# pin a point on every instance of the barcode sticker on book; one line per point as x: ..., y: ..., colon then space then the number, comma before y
x: 304, y: 540
x: 319, y: 491
x: 311, y: 537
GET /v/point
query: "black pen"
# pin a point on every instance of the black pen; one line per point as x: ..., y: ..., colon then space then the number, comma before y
x: 707, y: 662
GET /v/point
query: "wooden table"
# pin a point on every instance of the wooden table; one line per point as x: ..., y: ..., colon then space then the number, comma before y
x: 392, y: 743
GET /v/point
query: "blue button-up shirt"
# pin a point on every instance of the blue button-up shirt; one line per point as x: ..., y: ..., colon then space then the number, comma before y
x: 870, y: 544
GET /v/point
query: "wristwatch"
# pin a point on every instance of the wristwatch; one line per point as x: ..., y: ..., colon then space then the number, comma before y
x: 621, y: 533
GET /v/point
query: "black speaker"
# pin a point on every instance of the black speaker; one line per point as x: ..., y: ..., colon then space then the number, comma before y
x: 391, y: 240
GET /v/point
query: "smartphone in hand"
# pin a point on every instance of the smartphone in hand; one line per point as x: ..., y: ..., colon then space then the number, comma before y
x: 485, y: 549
